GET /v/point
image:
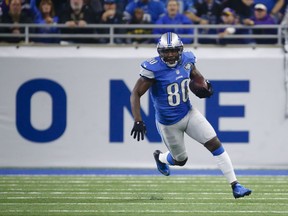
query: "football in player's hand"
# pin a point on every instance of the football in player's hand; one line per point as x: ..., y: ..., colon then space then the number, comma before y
x: 197, y: 84
x: 200, y: 87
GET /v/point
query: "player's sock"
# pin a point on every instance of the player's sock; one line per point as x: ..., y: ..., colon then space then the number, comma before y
x: 166, y: 158
x: 224, y: 163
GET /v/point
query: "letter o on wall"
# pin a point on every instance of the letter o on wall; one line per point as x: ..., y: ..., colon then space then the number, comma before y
x: 23, y: 110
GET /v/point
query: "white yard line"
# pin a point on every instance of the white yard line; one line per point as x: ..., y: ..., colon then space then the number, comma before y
x: 142, y: 211
x: 131, y: 193
x: 140, y: 204
x: 140, y: 198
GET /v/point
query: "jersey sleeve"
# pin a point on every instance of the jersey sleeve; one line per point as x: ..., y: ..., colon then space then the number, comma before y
x: 146, y: 73
x: 149, y: 68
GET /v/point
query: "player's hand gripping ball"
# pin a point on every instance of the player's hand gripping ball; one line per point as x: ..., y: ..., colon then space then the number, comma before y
x: 200, y: 87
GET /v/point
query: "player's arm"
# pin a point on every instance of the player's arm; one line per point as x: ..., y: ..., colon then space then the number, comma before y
x: 201, y: 87
x: 141, y: 86
x: 196, y: 75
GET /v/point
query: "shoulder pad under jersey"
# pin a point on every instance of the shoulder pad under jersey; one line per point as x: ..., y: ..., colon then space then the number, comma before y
x: 189, y: 56
x: 154, y: 64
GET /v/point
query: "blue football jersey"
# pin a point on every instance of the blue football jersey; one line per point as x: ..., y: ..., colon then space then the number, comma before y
x: 170, y: 90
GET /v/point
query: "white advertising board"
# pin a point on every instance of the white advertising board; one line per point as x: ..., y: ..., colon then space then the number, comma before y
x: 68, y: 107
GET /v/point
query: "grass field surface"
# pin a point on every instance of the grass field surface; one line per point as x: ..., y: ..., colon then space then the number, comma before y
x: 140, y: 196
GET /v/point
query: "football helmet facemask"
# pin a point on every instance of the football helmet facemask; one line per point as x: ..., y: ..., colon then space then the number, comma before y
x: 170, y: 48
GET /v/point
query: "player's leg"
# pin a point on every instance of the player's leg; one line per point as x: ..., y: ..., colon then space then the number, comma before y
x: 201, y: 130
x: 224, y: 163
x: 173, y: 137
x: 222, y: 159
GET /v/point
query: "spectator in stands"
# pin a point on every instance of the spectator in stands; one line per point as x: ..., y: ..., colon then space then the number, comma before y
x: 273, y: 8
x: 111, y: 15
x: 57, y: 4
x: 45, y: 15
x: 14, y: 17
x: 261, y: 17
x: 153, y: 9
x: 138, y: 18
x: 173, y: 17
x: 25, y: 6
x: 229, y: 17
x: 210, y: 12
x: 243, y: 8
x: 186, y: 7
x: 76, y: 16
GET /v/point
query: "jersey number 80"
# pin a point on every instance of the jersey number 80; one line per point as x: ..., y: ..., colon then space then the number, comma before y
x: 175, y: 90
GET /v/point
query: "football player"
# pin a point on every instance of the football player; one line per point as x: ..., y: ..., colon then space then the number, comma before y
x: 169, y: 75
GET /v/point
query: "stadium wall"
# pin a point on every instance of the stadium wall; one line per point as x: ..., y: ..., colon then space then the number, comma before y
x: 69, y: 107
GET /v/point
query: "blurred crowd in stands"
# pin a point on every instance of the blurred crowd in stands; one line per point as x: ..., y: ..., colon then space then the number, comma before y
x: 76, y: 14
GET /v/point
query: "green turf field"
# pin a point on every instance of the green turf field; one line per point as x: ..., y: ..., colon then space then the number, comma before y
x: 140, y: 195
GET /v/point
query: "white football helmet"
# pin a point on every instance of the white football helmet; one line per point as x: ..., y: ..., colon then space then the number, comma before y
x: 170, y: 48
